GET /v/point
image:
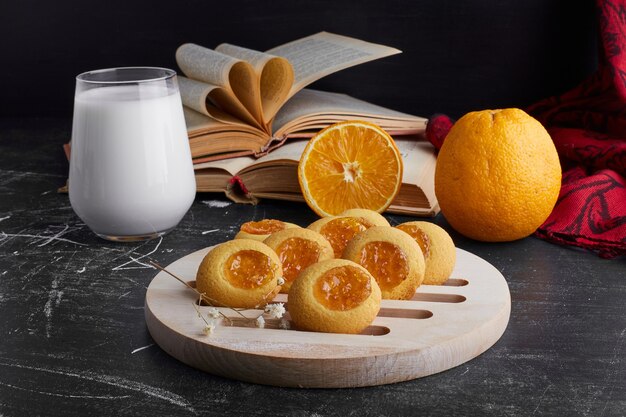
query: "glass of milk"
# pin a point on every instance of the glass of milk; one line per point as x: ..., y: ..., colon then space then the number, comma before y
x: 131, y: 173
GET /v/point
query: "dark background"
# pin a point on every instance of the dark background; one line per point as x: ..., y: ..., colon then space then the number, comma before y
x: 458, y: 55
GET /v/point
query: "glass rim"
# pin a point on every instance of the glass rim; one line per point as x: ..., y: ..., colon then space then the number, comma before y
x: 169, y: 73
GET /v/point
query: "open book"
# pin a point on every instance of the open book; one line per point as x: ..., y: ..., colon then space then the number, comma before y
x: 243, y: 102
x: 275, y: 176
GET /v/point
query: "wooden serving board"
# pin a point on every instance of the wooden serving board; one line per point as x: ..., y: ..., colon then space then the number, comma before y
x: 439, y: 328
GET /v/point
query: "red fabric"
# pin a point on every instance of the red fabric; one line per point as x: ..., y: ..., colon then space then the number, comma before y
x: 588, y: 127
x: 437, y: 129
x: 237, y: 181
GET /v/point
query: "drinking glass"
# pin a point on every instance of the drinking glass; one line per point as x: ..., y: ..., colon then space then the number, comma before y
x: 131, y: 173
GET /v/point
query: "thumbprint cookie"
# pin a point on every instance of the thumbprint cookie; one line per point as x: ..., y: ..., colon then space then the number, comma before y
x: 262, y: 229
x: 437, y: 247
x: 241, y: 273
x: 297, y: 248
x: 392, y: 257
x: 338, y: 230
x: 370, y: 216
x: 334, y: 296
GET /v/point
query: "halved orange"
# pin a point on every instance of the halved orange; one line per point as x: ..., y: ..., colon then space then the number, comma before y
x: 347, y: 165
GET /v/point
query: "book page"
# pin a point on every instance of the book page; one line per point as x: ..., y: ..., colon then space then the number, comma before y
x: 419, y: 160
x: 275, y: 76
x: 324, y: 53
x: 200, y: 123
x: 232, y: 74
x: 232, y: 165
x: 194, y: 94
x: 417, y: 156
x: 204, y: 64
x: 309, y: 109
x: 214, y: 101
x: 290, y: 151
x: 255, y: 58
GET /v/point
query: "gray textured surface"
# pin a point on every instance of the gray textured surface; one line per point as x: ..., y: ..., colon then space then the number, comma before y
x: 73, y: 340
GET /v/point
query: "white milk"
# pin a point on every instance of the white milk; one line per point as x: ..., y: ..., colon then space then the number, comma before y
x: 131, y: 171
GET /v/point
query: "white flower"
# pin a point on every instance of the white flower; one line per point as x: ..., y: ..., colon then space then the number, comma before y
x: 275, y: 310
x: 209, y: 329
x: 284, y: 324
x: 260, y: 322
x: 281, y: 280
x: 213, y: 313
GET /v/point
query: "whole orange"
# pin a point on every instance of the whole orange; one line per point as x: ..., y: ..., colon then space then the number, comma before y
x: 498, y: 175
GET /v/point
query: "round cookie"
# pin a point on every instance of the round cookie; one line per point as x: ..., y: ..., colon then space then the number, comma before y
x: 392, y: 257
x: 338, y: 230
x: 297, y: 248
x: 262, y: 229
x: 334, y: 296
x: 437, y: 247
x: 240, y: 273
x: 372, y: 217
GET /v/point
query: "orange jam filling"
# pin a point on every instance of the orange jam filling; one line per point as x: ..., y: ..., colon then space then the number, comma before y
x: 342, y: 288
x: 296, y: 254
x: 386, y: 262
x: 263, y: 227
x: 249, y: 269
x: 340, y: 231
x: 419, y: 236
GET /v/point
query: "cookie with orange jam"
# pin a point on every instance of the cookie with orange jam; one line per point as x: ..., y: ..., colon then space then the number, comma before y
x: 298, y: 248
x: 372, y: 217
x: 334, y: 296
x: 262, y: 229
x: 437, y: 247
x: 392, y: 257
x: 338, y: 230
x: 241, y: 273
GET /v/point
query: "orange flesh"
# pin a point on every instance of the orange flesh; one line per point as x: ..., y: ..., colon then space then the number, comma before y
x: 248, y: 269
x: 340, y: 231
x: 263, y: 227
x: 386, y: 262
x: 419, y: 236
x: 342, y: 288
x: 296, y: 254
x: 350, y: 164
